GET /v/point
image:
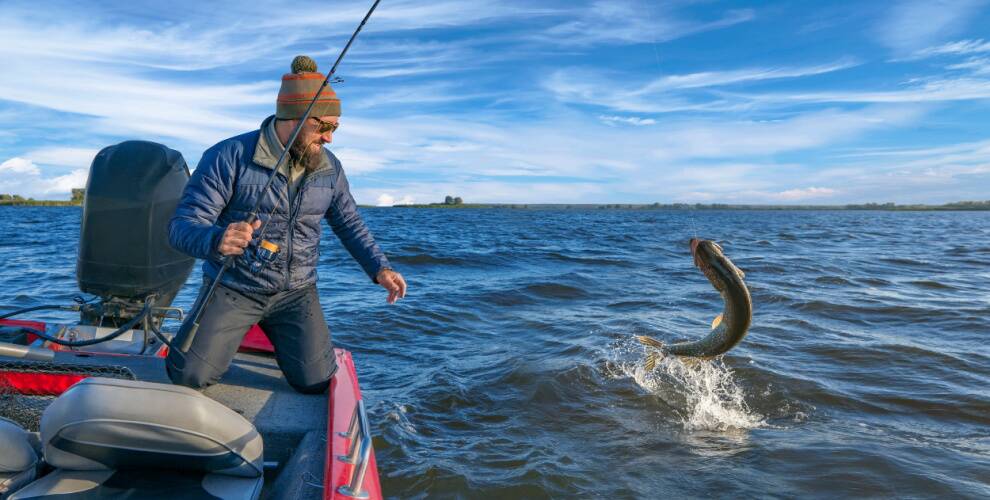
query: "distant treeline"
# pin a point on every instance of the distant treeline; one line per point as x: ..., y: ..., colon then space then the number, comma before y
x: 959, y: 205
x: 15, y: 199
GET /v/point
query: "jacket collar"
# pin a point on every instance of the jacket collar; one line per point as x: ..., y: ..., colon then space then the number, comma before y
x: 269, y: 148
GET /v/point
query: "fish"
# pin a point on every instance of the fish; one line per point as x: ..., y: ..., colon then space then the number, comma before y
x: 729, y: 327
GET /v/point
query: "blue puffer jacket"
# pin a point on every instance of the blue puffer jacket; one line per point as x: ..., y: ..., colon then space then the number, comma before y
x: 224, y: 188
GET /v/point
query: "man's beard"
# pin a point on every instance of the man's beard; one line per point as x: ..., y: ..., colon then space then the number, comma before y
x: 303, y: 154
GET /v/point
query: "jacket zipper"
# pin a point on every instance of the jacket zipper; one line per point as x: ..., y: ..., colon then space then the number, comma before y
x: 293, y: 215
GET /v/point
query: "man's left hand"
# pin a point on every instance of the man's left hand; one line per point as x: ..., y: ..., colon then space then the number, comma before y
x: 394, y: 283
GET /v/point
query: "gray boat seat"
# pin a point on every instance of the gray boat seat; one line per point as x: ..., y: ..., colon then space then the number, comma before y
x: 18, y: 460
x: 112, y: 438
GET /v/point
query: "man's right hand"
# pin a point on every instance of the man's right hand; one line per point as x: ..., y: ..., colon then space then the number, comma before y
x: 236, y: 237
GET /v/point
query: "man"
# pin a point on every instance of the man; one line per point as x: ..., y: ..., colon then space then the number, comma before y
x: 280, y: 295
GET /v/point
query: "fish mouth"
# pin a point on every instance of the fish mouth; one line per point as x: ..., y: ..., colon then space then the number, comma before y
x: 694, y: 245
x: 700, y: 257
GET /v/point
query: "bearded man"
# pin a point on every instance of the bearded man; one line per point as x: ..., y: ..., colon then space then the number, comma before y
x: 280, y: 295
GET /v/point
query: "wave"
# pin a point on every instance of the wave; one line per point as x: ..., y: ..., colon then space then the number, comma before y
x: 556, y: 291
x: 591, y: 261
x: 904, y: 261
x: 427, y: 259
x: 832, y: 280
x: 932, y: 285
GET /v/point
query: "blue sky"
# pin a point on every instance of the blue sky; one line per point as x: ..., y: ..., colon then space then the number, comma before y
x: 525, y: 102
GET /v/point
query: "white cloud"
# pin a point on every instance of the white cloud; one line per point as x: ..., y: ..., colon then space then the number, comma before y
x: 497, y: 192
x: 19, y: 166
x: 483, y: 161
x: 385, y: 200
x: 626, y: 22
x: 388, y: 200
x: 663, y: 95
x: 960, y: 89
x: 21, y: 176
x: 915, y: 24
x: 630, y: 120
x: 63, y: 156
x: 397, y: 16
x: 359, y: 161
x: 64, y: 184
x: 805, y: 193
x: 960, y: 47
x: 977, y: 66
x: 127, y: 105
x: 729, y: 139
x: 720, y: 78
x: 193, y: 36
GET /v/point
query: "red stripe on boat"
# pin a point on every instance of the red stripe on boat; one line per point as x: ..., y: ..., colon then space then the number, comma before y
x: 344, y: 395
x: 39, y: 384
x: 36, y: 325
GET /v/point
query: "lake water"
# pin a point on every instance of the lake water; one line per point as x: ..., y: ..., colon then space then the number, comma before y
x: 511, y: 368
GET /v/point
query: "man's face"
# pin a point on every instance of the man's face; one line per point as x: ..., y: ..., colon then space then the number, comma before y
x: 316, y: 132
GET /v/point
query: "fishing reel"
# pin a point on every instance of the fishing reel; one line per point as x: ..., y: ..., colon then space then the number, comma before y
x: 263, y: 254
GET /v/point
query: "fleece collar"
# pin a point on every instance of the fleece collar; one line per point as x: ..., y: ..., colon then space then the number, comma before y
x: 269, y: 148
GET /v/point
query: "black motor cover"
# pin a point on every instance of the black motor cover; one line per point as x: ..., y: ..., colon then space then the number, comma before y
x: 132, y: 192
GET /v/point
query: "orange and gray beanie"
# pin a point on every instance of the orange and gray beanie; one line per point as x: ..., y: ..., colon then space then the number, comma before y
x: 299, y: 88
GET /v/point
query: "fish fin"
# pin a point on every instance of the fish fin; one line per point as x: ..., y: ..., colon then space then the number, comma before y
x: 717, y: 321
x: 651, y: 360
x: 649, y: 341
x: 654, y: 355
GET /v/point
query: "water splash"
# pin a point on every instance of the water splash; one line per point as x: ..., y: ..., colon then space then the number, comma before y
x: 398, y: 418
x: 703, y: 393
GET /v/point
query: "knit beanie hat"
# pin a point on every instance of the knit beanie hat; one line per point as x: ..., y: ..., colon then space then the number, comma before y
x: 299, y: 88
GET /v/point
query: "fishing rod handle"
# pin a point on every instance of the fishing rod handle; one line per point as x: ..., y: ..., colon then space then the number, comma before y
x: 194, y: 326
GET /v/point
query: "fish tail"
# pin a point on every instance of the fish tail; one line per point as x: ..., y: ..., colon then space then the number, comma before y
x: 654, y: 355
x: 651, y: 360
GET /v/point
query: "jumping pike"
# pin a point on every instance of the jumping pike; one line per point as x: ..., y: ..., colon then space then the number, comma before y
x: 728, y: 328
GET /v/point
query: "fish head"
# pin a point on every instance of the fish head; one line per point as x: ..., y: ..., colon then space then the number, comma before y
x: 708, y: 257
x: 705, y: 252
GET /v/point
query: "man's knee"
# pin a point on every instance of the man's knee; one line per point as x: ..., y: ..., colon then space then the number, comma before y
x: 309, y: 383
x: 317, y: 388
x: 190, y: 372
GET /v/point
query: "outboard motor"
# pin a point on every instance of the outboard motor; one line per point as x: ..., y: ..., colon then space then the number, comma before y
x: 124, y: 254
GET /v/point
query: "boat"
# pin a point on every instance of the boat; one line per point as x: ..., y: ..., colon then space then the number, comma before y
x: 87, y: 409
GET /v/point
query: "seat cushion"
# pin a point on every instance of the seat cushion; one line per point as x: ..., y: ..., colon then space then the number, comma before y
x: 18, y: 454
x: 18, y: 459
x: 102, y: 423
x: 143, y: 484
x: 13, y: 481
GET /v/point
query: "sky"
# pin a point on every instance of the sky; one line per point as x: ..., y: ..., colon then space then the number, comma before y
x: 536, y: 101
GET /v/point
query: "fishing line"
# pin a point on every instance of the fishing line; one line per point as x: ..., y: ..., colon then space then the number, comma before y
x: 656, y: 53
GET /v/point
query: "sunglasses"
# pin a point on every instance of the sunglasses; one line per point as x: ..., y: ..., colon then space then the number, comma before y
x: 325, y: 127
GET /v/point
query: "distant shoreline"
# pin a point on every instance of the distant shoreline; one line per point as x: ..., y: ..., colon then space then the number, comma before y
x: 883, y: 207
x: 956, y: 206
x: 40, y: 203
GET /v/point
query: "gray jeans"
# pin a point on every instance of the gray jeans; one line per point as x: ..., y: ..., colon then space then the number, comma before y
x: 293, y: 321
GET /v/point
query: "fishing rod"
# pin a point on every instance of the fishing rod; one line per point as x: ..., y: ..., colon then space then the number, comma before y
x: 253, y: 216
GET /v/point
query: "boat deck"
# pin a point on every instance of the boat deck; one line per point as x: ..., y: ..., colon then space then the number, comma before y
x: 255, y: 388
x: 292, y: 425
